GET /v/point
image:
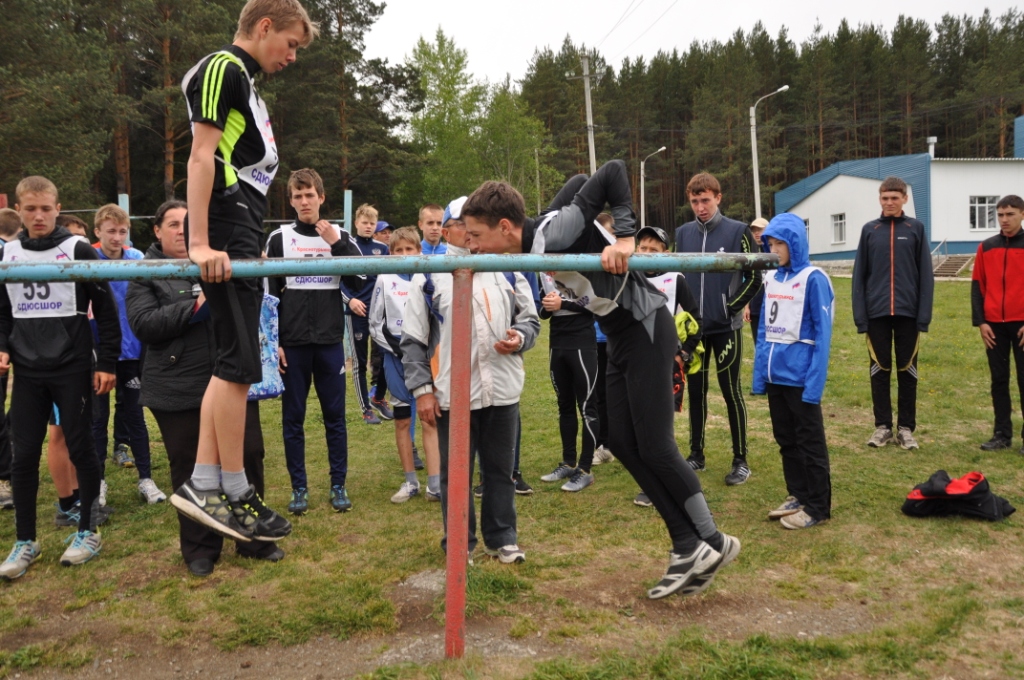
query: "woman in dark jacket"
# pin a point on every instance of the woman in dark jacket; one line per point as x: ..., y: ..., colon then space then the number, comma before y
x: 172, y: 321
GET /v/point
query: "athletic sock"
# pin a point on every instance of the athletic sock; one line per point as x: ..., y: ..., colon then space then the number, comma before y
x: 206, y: 477
x: 235, y: 484
x: 434, y: 483
x: 75, y: 496
x: 67, y: 503
x: 717, y: 541
x: 411, y: 478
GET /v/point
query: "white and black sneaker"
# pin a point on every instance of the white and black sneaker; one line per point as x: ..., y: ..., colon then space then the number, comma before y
x: 740, y: 473
x: 508, y: 554
x: 730, y: 549
x: 561, y: 472
x: 683, y: 569
x: 212, y: 509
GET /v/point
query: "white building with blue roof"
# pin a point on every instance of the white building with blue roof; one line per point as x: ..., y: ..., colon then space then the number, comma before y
x: 955, y: 198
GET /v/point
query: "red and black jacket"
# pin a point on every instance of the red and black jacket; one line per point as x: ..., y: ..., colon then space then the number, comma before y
x: 997, y: 291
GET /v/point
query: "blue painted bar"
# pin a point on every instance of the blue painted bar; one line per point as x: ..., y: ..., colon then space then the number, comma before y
x: 140, y: 270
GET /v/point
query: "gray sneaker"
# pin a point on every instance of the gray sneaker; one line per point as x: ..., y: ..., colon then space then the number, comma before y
x: 509, y: 554
x: 881, y: 437
x: 905, y: 438
x: 683, y: 569
x: 643, y: 500
x: 790, y: 506
x: 730, y: 549
x: 602, y: 455
x: 20, y: 559
x: 85, y: 545
x: 559, y: 473
x: 6, y: 495
x: 578, y: 481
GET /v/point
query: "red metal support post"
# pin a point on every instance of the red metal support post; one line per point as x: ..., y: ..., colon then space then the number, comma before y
x: 458, y: 467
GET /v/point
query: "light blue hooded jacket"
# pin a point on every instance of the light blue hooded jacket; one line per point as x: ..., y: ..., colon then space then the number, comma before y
x: 798, y: 364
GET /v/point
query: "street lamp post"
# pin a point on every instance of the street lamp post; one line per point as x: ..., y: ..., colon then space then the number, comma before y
x: 753, y: 148
x: 643, y: 201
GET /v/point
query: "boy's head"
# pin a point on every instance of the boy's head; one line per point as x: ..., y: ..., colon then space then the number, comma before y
x: 112, y: 229
x: 651, y: 240
x: 454, y: 229
x: 892, y: 195
x: 306, y: 194
x: 1010, y: 212
x: 704, y: 193
x: 786, y: 236
x: 430, y: 223
x: 606, y: 221
x: 366, y: 220
x: 494, y: 215
x: 10, y: 224
x: 38, y: 205
x: 383, y: 232
x: 405, y: 241
x: 780, y: 248
x: 272, y: 31
x: 757, y: 228
x: 169, y: 228
x: 76, y: 225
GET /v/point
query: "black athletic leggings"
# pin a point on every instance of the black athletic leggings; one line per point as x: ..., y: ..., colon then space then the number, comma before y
x: 884, y: 335
x: 641, y: 432
x: 32, y: 402
x: 726, y: 349
x: 574, y: 377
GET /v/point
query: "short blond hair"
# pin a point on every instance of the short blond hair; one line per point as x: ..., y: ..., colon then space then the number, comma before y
x: 407, y: 234
x: 110, y: 212
x: 35, y: 184
x: 282, y: 14
x: 10, y: 223
x: 368, y: 211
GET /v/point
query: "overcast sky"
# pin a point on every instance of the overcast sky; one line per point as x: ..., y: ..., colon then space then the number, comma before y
x: 500, y: 38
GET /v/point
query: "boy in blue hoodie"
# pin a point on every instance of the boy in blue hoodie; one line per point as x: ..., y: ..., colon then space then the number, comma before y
x: 791, y: 365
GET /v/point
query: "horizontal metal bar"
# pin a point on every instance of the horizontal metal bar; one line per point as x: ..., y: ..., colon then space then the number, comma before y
x: 140, y: 270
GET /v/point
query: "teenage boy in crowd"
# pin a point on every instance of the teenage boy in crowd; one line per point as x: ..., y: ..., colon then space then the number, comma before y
x: 171, y: 317
x: 378, y: 395
x: 382, y: 234
x: 44, y: 331
x: 113, y: 229
x: 679, y: 298
x: 505, y: 324
x: 387, y: 312
x: 641, y: 348
x: 572, y: 364
x: 357, y: 296
x: 431, y: 224
x: 791, y: 365
x: 10, y: 225
x: 602, y: 454
x: 229, y: 174
x: 997, y: 309
x: 721, y: 298
x: 893, y: 286
x: 752, y: 312
x: 312, y: 333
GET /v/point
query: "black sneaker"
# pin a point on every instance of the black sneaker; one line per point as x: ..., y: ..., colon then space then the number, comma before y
x: 98, y: 517
x: 740, y: 473
x: 383, y: 410
x: 211, y: 509
x: 997, y: 443
x: 417, y: 462
x: 522, y: 488
x: 262, y: 523
x: 478, y: 490
x: 696, y: 464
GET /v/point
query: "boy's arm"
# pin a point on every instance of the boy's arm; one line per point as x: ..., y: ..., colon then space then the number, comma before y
x: 820, y: 300
x: 860, y: 277
x: 345, y: 247
x: 759, y: 384
x: 152, y: 322
x: 685, y: 299
x: 415, y: 345
x: 527, y: 322
x: 750, y: 279
x: 978, y: 288
x: 376, y: 316
x: 275, y: 284
x: 104, y: 311
x: 214, y: 265
x: 926, y: 282
x: 6, y: 325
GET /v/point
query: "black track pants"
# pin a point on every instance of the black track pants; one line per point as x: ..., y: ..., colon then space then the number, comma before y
x: 574, y: 377
x: 1007, y: 343
x: 885, y: 333
x: 800, y: 433
x: 726, y: 350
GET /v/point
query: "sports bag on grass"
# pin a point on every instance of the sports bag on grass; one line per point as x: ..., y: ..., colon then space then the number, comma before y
x: 969, y: 496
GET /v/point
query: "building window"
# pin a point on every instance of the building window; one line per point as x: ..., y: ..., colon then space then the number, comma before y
x: 983, y: 212
x: 839, y: 228
x: 807, y: 230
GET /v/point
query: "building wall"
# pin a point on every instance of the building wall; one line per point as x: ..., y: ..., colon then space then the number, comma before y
x: 954, y: 183
x: 854, y: 197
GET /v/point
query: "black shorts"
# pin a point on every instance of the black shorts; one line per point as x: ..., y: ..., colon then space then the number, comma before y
x: 235, y: 306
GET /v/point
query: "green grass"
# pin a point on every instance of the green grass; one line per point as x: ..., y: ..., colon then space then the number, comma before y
x: 895, y: 597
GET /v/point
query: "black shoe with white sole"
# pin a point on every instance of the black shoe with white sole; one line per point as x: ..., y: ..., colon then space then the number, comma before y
x: 211, y: 509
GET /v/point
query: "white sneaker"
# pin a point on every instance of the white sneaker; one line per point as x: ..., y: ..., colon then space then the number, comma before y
x: 6, y: 495
x: 602, y: 455
x: 85, y: 545
x: 103, y: 493
x: 405, y: 492
x: 508, y: 554
x: 18, y: 562
x: 149, y: 492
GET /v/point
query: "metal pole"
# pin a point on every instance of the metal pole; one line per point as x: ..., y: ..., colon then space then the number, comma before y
x: 753, y: 152
x: 458, y: 471
x: 643, y: 199
x: 536, y: 158
x: 349, y: 227
x: 590, y: 115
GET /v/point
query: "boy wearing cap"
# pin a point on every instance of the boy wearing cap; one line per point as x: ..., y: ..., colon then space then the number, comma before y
x: 641, y: 349
x: 505, y: 324
x: 382, y: 234
x: 752, y: 312
x: 791, y: 365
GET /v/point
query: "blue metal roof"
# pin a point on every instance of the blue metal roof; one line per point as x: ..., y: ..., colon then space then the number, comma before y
x: 914, y: 169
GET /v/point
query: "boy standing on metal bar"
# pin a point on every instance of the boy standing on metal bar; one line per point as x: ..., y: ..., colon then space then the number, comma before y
x: 232, y: 164
x: 641, y: 348
x: 44, y: 331
x: 505, y: 324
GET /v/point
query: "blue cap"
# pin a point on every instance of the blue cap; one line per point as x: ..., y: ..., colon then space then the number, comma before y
x: 381, y: 226
x: 454, y: 210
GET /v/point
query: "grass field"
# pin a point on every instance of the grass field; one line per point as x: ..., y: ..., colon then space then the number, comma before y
x: 870, y: 594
